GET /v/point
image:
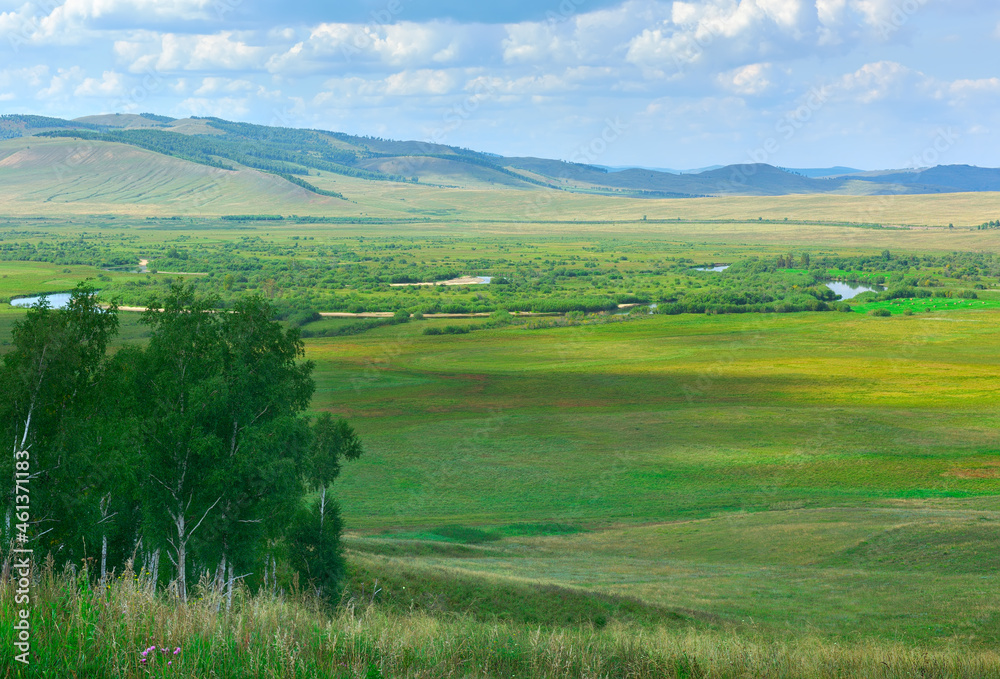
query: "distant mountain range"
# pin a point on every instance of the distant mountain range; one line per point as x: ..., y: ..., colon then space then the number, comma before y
x: 303, y: 158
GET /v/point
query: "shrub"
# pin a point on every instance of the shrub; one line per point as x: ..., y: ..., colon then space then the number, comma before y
x: 500, y: 318
x: 882, y: 313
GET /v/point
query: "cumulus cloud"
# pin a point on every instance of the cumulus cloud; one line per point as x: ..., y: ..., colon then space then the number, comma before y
x: 224, y: 107
x: 533, y: 42
x: 109, y: 85
x: 403, y: 44
x: 890, y: 81
x: 750, y: 80
x: 75, y: 21
x: 224, y: 51
x: 421, y: 82
x: 31, y: 76
x: 214, y: 85
x: 878, y: 81
x: 530, y: 85
x: 60, y: 83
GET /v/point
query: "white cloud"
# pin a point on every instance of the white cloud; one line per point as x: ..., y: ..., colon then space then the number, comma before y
x: 110, y: 85
x: 225, y: 107
x: 61, y: 81
x: 788, y: 13
x: 533, y: 42
x: 422, y: 82
x: 73, y: 21
x: 960, y: 92
x: 831, y: 12
x: 31, y: 76
x: 212, y: 85
x: 751, y: 80
x: 893, y: 82
x: 878, y: 81
x: 226, y: 51
x: 534, y: 85
x: 404, y: 44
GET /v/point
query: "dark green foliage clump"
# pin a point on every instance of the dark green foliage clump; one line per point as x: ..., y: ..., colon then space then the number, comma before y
x: 194, y: 446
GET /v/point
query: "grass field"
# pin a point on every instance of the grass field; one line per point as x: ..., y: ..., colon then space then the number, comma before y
x: 828, y: 470
x: 34, y: 278
x: 804, y: 494
x: 126, y: 631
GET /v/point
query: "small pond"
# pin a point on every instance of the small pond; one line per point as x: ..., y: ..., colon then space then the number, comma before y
x: 57, y: 300
x: 721, y: 267
x: 851, y: 290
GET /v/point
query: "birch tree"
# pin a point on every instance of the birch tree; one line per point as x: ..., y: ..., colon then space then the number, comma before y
x: 177, y: 400
x: 51, y: 380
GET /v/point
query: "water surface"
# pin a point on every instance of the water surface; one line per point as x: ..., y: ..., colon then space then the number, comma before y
x: 851, y: 290
x: 57, y: 300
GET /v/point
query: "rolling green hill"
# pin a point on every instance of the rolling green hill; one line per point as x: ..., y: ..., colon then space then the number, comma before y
x: 301, y: 153
x: 41, y: 172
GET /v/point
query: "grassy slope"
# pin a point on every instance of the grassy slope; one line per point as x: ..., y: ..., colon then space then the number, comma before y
x: 54, y: 176
x: 65, y: 176
x: 829, y: 470
x: 102, y: 634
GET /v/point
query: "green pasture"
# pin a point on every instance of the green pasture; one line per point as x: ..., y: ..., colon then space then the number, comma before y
x: 928, y: 305
x: 833, y: 471
x: 32, y: 278
x: 829, y: 474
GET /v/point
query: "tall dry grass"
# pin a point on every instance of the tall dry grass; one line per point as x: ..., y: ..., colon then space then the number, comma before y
x: 86, y: 630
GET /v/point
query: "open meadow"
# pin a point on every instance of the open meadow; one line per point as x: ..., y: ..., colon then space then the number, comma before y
x: 813, y: 493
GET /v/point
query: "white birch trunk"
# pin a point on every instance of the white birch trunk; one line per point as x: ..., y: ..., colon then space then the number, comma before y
x: 181, y: 557
x: 322, y: 508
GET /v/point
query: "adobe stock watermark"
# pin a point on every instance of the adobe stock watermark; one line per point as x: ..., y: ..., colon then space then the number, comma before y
x: 587, y: 154
x: 900, y: 15
x: 566, y: 10
x: 695, y: 44
x: 25, y: 33
x: 945, y: 139
x: 785, y: 130
x: 363, y: 38
x: 223, y: 8
x: 150, y: 84
x: 460, y: 113
x: 22, y: 556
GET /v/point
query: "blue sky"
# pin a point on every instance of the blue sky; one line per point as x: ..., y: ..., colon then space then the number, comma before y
x: 795, y: 83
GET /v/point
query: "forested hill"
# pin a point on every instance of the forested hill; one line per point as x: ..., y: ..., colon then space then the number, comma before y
x: 293, y: 155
